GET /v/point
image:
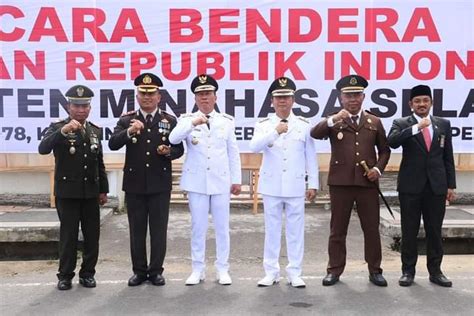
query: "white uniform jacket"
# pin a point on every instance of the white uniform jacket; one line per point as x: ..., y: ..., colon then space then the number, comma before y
x: 287, y: 158
x: 212, y: 161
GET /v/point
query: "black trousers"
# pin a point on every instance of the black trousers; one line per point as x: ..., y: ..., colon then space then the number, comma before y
x: 145, y: 210
x: 433, y: 208
x: 73, y: 212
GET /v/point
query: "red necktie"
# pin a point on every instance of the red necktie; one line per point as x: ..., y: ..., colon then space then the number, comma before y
x: 427, y: 137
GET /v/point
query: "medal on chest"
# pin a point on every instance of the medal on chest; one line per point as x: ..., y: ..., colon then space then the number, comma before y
x: 71, y: 137
x: 340, y: 134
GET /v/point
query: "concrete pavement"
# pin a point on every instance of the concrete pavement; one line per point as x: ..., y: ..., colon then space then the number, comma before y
x: 28, y: 287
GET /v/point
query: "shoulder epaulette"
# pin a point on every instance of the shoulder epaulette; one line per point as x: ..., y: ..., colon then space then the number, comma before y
x: 368, y: 112
x: 171, y: 116
x: 303, y: 119
x: 263, y: 120
x: 227, y: 116
x: 129, y: 113
x: 92, y: 124
x: 59, y: 121
x: 186, y: 115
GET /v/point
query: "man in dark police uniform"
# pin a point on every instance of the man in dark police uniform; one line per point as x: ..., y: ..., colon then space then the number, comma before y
x: 147, y: 177
x: 426, y: 179
x: 80, y: 185
x: 354, y: 135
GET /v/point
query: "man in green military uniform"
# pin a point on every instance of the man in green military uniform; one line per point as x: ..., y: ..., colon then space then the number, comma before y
x: 80, y: 185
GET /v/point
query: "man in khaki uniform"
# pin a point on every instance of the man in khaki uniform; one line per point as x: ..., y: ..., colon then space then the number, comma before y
x: 354, y: 135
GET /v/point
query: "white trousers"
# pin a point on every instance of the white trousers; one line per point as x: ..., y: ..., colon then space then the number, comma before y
x: 273, y: 211
x: 219, y: 206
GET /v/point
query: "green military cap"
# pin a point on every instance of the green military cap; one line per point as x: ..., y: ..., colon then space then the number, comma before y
x: 352, y: 83
x: 148, y: 82
x: 79, y: 94
x: 282, y: 86
x: 204, y: 82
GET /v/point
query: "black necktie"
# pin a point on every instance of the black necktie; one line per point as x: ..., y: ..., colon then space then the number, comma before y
x: 207, y: 123
x: 149, y: 118
x: 354, y: 119
x: 284, y: 121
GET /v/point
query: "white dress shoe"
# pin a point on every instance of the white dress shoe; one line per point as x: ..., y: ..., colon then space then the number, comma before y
x: 269, y: 280
x: 195, y: 278
x: 296, y: 281
x: 224, y: 278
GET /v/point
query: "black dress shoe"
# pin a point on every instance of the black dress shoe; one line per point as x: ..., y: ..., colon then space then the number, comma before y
x: 441, y: 280
x: 87, y: 282
x: 377, y: 279
x: 406, y: 279
x: 330, y: 279
x: 136, y: 279
x: 157, y: 279
x: 64, y: 284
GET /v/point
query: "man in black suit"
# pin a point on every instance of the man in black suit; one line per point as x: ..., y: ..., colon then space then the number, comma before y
x: 147, y: 177
x: 80, y: 185
x: 425, y: 181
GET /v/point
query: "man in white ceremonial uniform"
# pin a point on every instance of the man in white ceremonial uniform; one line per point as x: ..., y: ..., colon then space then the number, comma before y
x: 289, y: 156
x: 211, y: 172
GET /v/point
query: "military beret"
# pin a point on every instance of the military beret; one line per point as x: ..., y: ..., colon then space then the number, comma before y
x: 282, y: 86
x: 420, y: 90
x: 148, y: 82
x: 204, y: 82
x: 352, y: 83
x: 79, y: 94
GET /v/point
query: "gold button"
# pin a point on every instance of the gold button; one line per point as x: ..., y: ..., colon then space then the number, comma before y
x: 85, y: 179
x: 85, y: 167
x: 85, y: 144
x: 147, y: 165
x: 357, y: 164
x: 85, y: 155
x: 357, y: 133
x: 336, y: 162
x: 130, y: 169
x: 148, y: 141
x: 148, y: 130
x: 357, y: 154
x: 64, y: 178
x: 148, y: 153
x: 357, y: 143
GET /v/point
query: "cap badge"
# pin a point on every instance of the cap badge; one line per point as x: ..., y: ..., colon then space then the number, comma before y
x: 283, y: 82
x: 202, y: 79
x: 147, y: 79
x: 80, y: 91
x: 353, y: 81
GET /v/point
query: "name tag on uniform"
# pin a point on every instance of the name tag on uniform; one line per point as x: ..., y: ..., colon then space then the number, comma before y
x: 441, y: 141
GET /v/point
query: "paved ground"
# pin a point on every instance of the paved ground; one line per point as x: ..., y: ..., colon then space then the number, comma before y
x: 28, y: 287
